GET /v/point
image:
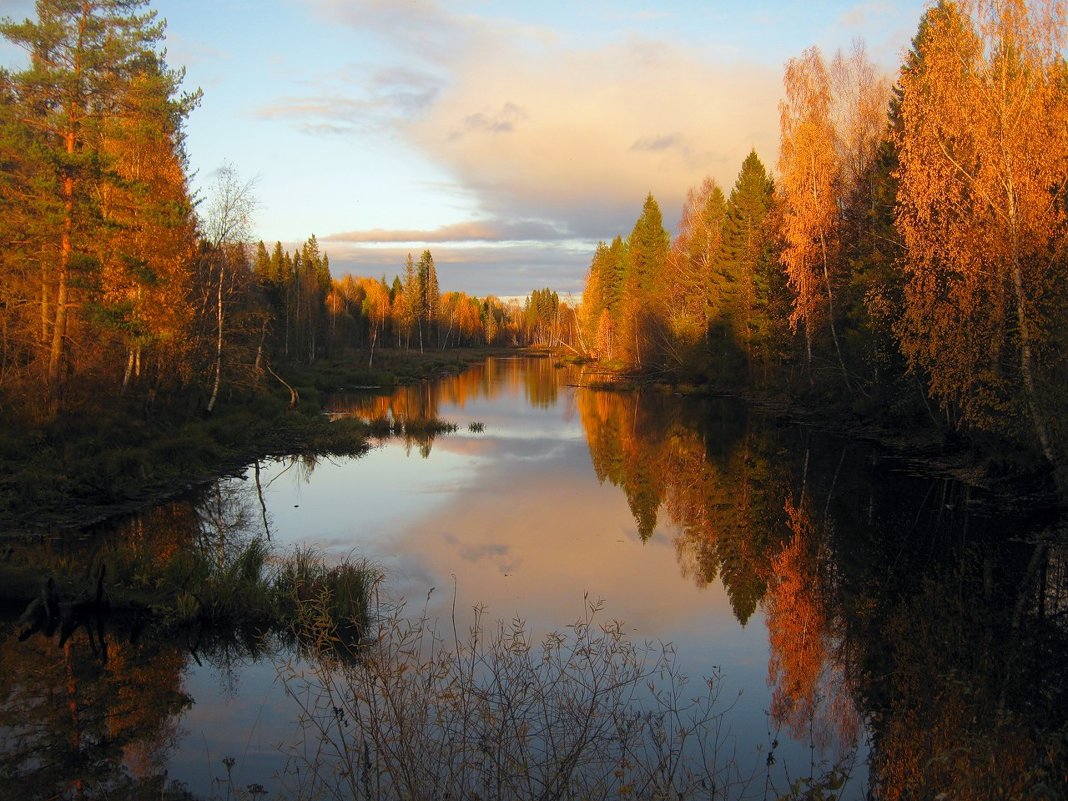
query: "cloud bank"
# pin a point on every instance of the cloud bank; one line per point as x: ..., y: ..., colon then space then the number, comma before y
x: 553, y: 140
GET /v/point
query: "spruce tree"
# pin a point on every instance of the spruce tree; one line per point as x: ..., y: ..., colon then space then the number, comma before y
x: 748, y: 266
x: 648, y: 251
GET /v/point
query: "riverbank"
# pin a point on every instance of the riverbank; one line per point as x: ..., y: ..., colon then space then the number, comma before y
x: 1010, y: 476
x: 104, y: 463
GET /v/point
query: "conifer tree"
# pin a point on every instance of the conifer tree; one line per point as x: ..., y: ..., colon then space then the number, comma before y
x: 94, y: 68
x: 647, y: 249
x: 693, y: 282
x: 429, y: 304
x: 414, y: 303
x: 747, y: 261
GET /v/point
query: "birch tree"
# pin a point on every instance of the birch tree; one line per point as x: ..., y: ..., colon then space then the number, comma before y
x: 227, y: 226
x: 809, y: 175
x: 983, y: 150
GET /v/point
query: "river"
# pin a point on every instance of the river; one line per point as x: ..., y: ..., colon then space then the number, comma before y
x: 853, y: 614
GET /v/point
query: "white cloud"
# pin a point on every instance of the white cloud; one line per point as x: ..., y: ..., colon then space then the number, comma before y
x: 541, y: 130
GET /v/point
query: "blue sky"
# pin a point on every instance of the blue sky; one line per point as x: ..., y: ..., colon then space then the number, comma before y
x: 507, y: 137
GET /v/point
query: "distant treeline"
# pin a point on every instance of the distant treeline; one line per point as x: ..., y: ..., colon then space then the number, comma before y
x: 309, y: 314
x: 908, y: 257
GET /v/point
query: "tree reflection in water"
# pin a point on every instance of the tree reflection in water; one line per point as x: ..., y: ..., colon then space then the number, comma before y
x: 905, y: 613
x: 897, y: 604
x: 82, y: 721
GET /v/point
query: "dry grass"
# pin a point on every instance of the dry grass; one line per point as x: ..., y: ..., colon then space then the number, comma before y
x: 582, y: 714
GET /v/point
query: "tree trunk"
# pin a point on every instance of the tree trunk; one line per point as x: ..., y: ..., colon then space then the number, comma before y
x: 294, y: 397
x: 218, y: 336
x: 59, y: 327
x: 129, y: 372
x: 830, y: 314
x: 259, y: 356
x: 44, y: 303
x: 1038, y: 418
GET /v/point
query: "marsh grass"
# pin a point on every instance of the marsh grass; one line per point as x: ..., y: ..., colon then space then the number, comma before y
x: 583, y: 714
x: 325, y: 603
x: 425, y: 427
x: 298, y: 596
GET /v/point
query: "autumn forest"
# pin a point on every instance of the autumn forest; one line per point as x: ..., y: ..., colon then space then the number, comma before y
x: 902, y: 255
x: 906, y: 248
x: 821, y: 426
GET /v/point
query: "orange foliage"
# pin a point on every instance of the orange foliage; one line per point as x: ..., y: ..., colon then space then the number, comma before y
x: 809, y: 693
x: 808, y: 167
x: 983, y: 145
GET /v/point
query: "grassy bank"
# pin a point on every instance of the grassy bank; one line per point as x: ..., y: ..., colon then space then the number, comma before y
x: 242, y: 590
x: 1012, y: 475
x: 112, y: 460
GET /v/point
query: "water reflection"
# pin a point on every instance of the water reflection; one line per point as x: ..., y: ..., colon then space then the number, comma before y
x: 72, y: 726
x: 91, y: 707
x: 891, y: 601
x: 857, y: 606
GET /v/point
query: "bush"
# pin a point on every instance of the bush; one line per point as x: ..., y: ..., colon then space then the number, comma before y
x: 587, y: 714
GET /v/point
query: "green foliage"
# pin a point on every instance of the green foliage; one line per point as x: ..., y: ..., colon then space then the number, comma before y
x: 754, y: 302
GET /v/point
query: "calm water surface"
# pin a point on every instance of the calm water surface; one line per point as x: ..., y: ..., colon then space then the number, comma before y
x: 846, y: 604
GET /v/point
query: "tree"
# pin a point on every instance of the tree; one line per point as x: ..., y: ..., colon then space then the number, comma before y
x: 416, y: 301
x: 85, y: 58
x: 983, y: 152
x: 809, y: 170
x: 642, y: 298
x: 228, y: 227
x: 870, y: 250
x: 693, y: 282
x: 602, y: 296
x: 747, y: 260
x: 313, y: 285
x: 147, y: 244
x: 593, y: 301
x: 429, y: 304
x: 375, y: 308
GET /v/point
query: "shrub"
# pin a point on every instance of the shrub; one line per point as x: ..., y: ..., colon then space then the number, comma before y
x: 587, y: 714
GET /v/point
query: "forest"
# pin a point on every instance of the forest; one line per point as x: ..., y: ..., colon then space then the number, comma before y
x: 904, y: 260
x: 118, y: 283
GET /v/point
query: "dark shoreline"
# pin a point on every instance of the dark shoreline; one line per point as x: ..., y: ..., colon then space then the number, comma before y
x: 163, y: 460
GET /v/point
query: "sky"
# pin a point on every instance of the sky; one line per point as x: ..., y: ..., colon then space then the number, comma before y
x: 507, y: 137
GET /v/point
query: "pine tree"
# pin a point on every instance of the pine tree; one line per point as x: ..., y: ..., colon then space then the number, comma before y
x: 91, y: 64
x: 147, y: 242
x: 642, y: 297
x: 416, y: 311
x: 429, y: 305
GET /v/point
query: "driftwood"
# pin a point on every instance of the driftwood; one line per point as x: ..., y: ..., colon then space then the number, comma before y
x: 294, y: 397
